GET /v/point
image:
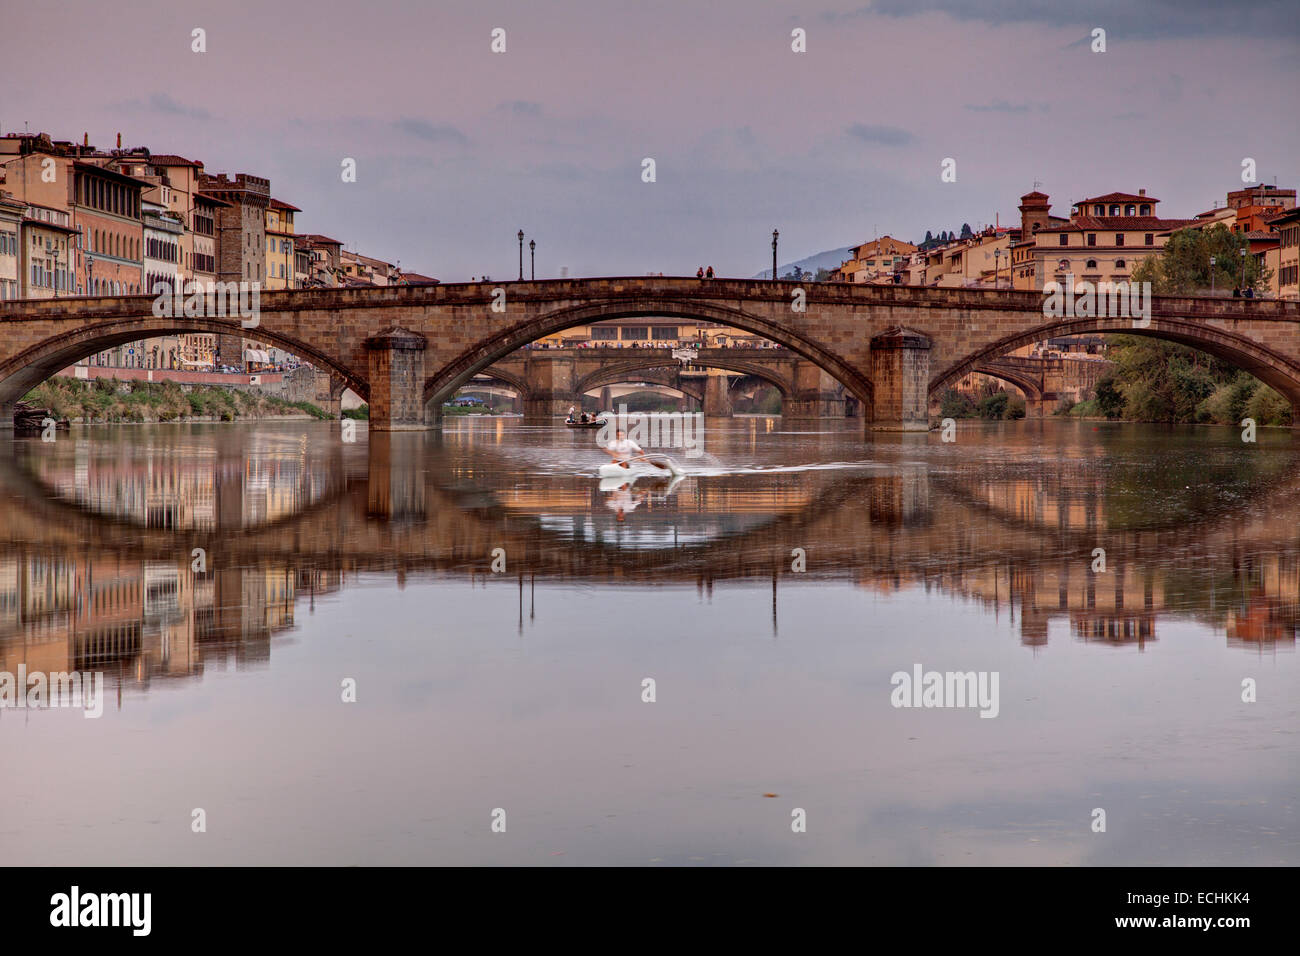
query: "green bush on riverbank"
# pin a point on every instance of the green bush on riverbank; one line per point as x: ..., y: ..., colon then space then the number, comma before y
x: 1155, y: 381
x: 995, y: 406
x: 109, y: 400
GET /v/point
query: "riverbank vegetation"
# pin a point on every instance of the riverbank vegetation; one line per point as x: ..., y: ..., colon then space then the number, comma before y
x: 110, y: 400
x: 993, y: 404
x: 1156, y: 381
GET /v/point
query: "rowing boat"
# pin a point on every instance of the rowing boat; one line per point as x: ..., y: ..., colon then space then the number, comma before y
x: 594, y: 424
x: 641, y: 466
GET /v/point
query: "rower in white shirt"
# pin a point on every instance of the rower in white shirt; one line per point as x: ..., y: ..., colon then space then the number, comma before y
x: 622, y: 448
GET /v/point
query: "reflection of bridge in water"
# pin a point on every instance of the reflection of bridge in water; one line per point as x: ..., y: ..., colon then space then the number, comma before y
x: 134, y: 599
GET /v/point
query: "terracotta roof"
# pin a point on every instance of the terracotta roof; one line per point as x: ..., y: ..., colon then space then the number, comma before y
x: 1119, y: 197
x: 1119, y: 224
x: 318, y: 238
x: 277, y: 204
x: 168, y: 159
x: 1291, y: 215
x: 215, y: 200
x: 1033, y: 195
x: 1262, y: 234
x: 414, y: 278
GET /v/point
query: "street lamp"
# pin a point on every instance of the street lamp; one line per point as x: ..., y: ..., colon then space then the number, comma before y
x: 997, y: 259
x: 521, y: 255
x: 90, y: 275
x: 54, y: 279
x: 532, y: 259
x: 1243, y: 271
x: 1212, y: 260
x: 775, y: 236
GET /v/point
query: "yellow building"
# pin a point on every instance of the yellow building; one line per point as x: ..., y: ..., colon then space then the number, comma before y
x: 280, y: 271
x: 1105, y: 238
x: 876, y: 259
x: 1285, y: 263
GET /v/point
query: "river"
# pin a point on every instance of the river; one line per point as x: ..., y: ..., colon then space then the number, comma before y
x: 503, y: 620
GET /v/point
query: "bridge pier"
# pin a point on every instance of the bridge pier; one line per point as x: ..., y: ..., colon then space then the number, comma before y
x: 814, y: 395
x: 6, y: 416
x: 396, y: 381
x: 395, y: 483
x: 900, y: 375
x: 717, y: 397
x: 544, y: 407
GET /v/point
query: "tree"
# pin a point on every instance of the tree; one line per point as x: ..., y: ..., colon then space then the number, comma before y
x: 965, y: 231
x: 823, y: 275
x: 1183, y: 265
x: 929, y: 237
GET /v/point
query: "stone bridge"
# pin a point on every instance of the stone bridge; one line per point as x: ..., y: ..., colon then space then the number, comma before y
x: 407, y: 349
x: 549, y: 381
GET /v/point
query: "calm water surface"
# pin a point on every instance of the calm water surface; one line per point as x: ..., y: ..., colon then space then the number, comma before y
x: 371, y: 561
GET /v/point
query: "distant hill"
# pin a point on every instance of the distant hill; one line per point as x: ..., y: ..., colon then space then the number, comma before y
x: 829, y: 259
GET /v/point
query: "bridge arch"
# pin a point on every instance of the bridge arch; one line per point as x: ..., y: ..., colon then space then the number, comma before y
x: 1266, y: 364
x: 24, y: 371
x: 509, y: 378
x: 650, y: 375
x: 617, y: 373
x: 1023, y: 382
x: 484, y: 353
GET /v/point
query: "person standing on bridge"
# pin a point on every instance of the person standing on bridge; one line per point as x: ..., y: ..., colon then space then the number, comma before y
x: 699, y: 273
x: 709, y: 273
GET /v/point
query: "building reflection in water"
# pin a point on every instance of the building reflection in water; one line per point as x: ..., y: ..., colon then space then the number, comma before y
x: 287, y: 515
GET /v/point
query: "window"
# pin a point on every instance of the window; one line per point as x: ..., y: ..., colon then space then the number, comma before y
x: 1129, y: 209
x: 1092, y: 238
x: 636, y: 332
x: 663, y: 333
x: 1099, y: 210
x: 1120, y: 264
x: 1146, y: 209
x: 1119, y: 238
x: 603, y: 333
x: 1063, y: 265
x: 1092, y: 264
x: 1065, y: 239
x: 1114, y: 209
x: 1150, y: 239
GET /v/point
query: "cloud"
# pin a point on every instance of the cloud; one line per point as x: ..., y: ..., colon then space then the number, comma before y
x: 164, y: 104
x: 429, y: 132
x: 1120, y: 18
x: 521, y: 107
x: 1002, y: 106
x: 880, y: 135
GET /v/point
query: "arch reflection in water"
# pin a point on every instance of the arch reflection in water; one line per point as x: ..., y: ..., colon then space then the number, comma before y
x: 97, y: 571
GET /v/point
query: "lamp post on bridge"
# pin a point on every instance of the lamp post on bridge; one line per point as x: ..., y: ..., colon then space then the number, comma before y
x: 532, y: 260
x: 1243, y: 270
x: 1212, y: 260
x: 775, y: 236
x: 521, y: 255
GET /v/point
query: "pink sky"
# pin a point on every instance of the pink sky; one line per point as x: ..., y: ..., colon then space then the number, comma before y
x: 458, y: 148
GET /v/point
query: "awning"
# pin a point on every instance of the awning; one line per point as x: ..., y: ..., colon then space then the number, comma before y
x: 256, y: 355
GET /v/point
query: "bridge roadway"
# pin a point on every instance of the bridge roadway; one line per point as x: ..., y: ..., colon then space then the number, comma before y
x: 407, y: 349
